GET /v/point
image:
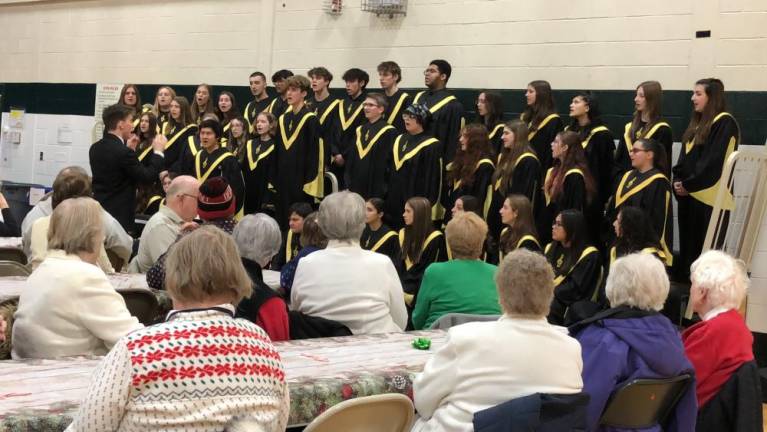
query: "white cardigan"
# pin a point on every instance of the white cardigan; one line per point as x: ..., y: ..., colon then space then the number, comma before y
x: 67, y: 308
x: 484, y: 364
x: 345, y: 283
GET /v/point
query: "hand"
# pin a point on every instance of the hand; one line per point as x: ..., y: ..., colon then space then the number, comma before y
x: 338, y: 160
x: 679, y: 189
x: 3, y: 202
x: 132, y: 142
x: 159, y: 142
x: 189, y: 226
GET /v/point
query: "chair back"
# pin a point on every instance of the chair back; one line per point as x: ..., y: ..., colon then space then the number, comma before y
x: 141, y: 303
x: 453, y: 319
x: 13, y: 268
x: 116, y: 261
x: 644, y: 403
x: 13, y: 254
x: 380, y: 413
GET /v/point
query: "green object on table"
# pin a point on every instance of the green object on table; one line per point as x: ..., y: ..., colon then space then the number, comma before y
x: 422, y: 343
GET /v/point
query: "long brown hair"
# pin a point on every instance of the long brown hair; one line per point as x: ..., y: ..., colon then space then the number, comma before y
x: 465, y: 161
x: 208, y: 108
x: 508, y: 158
x: 523, y: 225
x: 494, y: 107
x: 145, y: 140
x: 137, y: 106
x: 233, y: 112
x: 653, y: 96
x: 186, y: 113
x: 417, y: 232
x: 575, y: 157
x: 700, y: 122
x: 543, y: 107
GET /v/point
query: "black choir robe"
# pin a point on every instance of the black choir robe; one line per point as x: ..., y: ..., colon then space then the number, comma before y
x: 368, y: 162
x: 650, y: 191
x: 384, y: 241
x: 447, y: 119
x: 252, y: 109
x: 290, y: 247
x: 300, y: 167
x: 479, y: 188
x: 327, y: 112
x: 396, y: 105
x: 525, y: 180
x: 259, y: 169
x: 495, y: 135
x: 185, y: 163
x: 542, y: 135
x: 528, y: 241
x: 162, y: 118
x: 177, y: 137
x: 153, y: 205
x: 434, y: 249
x: 660, y: 131
x: 573, y: 196
x: 350, y: 116
x: 574, y: 283
x: 278, y: 106
x: 598, y: 143
x: 221, y: 163
x: 415, y: 170
x: 699, y: 168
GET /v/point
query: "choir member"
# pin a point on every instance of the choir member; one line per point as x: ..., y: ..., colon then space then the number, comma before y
x: 237, y: 137
x: 161, y: 108
x: 349, y: 118
x: 542, y: 120
x: 260, y: 100
x: 490, y: 114
x: 177, y: 130
x: 634, y: 234
x: 447, y: 112
x: 130, y: 96
x: 377, y: 236
x: 389, y: 76
x: 519, y: 231
x: 259, y: 164
x: 202, y: 103
x: 325, y: 106
x: 279, y: 105
x: 291, y: 240
x: 227, y: 110
x: 471, y: 171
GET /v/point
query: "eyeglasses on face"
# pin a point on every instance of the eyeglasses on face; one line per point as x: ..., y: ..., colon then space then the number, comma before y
x: 637, y: 150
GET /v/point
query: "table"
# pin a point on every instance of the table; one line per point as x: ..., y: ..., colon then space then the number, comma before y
x: 11, y: 287
x: 43, y: 395
x: 10, y: 243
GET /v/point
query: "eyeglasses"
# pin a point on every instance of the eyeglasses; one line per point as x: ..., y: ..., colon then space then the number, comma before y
x: 368, y: 104
x: 190, y: 195
x: 637, y: 150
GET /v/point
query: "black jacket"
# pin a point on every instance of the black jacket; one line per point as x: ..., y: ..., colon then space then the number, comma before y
x: 304, y: 326
x: 537, y: 412
x: 116, y: 174
x: 737, y: 406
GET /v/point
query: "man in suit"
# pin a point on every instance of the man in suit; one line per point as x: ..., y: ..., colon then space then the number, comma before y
x: 116, y: 168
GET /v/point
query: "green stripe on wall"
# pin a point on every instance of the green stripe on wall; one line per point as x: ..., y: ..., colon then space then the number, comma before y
x: 750, y: 108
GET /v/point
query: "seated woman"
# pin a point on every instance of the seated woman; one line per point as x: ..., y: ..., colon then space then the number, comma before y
x: 632, y: 340
x: 312, y: 239
x: 464, y: 284
x: 721, y: 343
x: 258, y: 239
x: 577, y: 267
x: 421, y: 245
x: 481, y: 364
x: 68, y: 306
x: 517, y: 215
x: 633, y: 233
x: 202, y: 366
x: 345, y: 283
x: 291, y: 242
x: 377, y: 236
x: 466, y: 203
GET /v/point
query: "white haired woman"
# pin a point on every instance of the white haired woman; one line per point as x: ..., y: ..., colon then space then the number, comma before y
x: 201, y: 367
x: 720, y: 344
x: 258, y: 238
x: 481, y: 365
x: 69, y: 308
x: 633, y: 340
x: 345, y: 283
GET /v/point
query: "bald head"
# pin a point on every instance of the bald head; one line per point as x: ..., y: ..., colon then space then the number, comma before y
x: 182, y: 196
x: 183, y: 185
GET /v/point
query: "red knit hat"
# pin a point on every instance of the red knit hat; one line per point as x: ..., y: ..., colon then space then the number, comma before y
x: 216, y: 199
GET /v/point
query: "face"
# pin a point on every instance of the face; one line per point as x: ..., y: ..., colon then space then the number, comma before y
x: 507, y: 137
x: 408, y: 215
x: 639, y: 101
x: 175, y: 110
x: 387, y: 79
x: 508, y: 214
x: 166, y: 181
x: 144, y: 124
x: 617, y: 225
x: 296, y: 223
x: 224, y: 103
x: 457, y: 207
x: 201, y: 96
x: 530, y: 95
x: 699, y: 98
x: 130, y: 96
x: 411, y: 124
x: 558, y: 231
x: 640, y: 158
x: 353, y: 87
x: 164, y: 97
x: 124, y: 127
x: 294, y: 95
x: 280, y: 86
x: 482, y: 104
x: 257, y: 85
x: 558, y: 149
x: 262, y: 125
x: 371, y: 214
x: 208, y: 139
x: 578, y: 107
x: 373, y: 111
x: 237, y: 128
x: 432, y: 77
x: 319, y: 83
x: 698, y: 298
x: 189, y: 205
x: 464, y: 140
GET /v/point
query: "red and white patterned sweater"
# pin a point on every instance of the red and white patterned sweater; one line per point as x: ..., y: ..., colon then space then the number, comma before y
x: 194, y: 372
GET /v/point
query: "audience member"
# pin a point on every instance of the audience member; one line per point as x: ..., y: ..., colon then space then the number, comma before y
x: 483, y: 364
x: 258, y: 239
x: 132, y: 390
x: 345, y: 283
x: 464, y: 284
x: 632, y: 340
x: 68, y: 306
x: 312, y: 240
x: 8, y: 226
x: 164, y: 226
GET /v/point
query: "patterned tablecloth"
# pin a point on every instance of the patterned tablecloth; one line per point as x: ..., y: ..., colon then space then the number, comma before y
x: 12, y: 286
x: 43, y: 395
x: 10, y: 242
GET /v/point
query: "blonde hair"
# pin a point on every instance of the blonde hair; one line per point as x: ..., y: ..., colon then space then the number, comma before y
x: 205, y: 265
x: 525, y: 283
x: 77, y: 225
x: 466, y: 234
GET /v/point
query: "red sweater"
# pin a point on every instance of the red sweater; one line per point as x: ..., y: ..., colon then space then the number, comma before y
x: 717, y: 348
x: 273, y: 318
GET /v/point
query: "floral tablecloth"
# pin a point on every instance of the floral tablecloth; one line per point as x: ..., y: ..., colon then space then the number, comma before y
x: 43, y: 395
